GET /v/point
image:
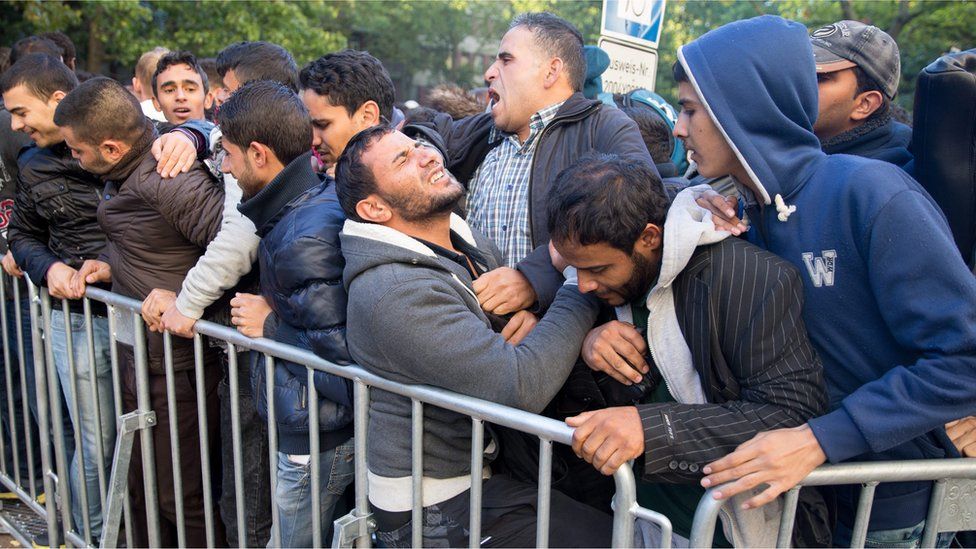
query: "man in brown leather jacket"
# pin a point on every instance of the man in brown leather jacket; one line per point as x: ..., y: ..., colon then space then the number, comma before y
x: 156, y: 232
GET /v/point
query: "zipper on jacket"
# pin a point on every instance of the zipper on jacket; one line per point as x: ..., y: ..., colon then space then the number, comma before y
x: 303, y: 398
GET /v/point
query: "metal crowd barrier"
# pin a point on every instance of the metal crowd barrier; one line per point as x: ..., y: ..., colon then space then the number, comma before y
x: 952, y: 506
x: 354, y: 528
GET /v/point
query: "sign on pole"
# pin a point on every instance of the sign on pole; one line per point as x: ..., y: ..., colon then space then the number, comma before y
x: 630, y: 32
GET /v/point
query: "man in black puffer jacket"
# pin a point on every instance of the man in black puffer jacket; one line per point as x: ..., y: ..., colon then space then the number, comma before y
x: 267, y: 135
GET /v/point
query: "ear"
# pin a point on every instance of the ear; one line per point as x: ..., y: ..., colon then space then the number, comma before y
x: 554, y: 70
x: 114, y: 150
x: 156, y: 104
x: 368, y: 114
x: 258, y: 154
x: 56, y: 97
x: 136, y: 85
x: 208, y: 101
x: 866, y: 103
x: 374, y: 209
x: 651, y: 239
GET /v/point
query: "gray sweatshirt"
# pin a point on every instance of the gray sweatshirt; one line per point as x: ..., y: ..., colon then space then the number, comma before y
x: 414, y: 318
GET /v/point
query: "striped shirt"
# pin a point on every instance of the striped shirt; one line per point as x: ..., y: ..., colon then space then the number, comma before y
x: 498, y: 197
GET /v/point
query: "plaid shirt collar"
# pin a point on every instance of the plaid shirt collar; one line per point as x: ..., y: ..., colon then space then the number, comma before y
x: 538, y: 122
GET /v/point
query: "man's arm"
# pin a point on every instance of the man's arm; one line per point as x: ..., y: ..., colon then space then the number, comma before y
x: 424, y: 327
x: 780, y: 385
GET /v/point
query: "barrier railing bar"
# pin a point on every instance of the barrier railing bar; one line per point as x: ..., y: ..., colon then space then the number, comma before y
x: 62, y: 486
x: 545, y: 494
x: 864, y: 503
x: 76, y: 423
x: 788, y: 518
x: 314, y: 449
x: 41, y: 393
x: 174, y: 435
x: 144, y: 404
x: 272, y: 448
x: 117, y: 393
x: 96, y: 400
x: 236, y: 444
x: 931, y: 530
x: 360, y: 423
x: 19, y: 332
x: 417, y: 472
x: 208, y: 518
x: 477, y: 463
x: 9, y: 380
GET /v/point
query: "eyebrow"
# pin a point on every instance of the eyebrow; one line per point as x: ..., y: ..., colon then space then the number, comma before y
x: 504, y: 55
x: 174, y: 82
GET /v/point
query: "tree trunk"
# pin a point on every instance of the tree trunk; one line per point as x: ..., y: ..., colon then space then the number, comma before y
x: 96, y: 49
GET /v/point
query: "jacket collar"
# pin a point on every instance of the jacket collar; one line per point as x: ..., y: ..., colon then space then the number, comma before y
x: 290, y: 183
x: 576, y: 106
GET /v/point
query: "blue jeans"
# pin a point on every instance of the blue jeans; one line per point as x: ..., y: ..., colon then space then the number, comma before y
x: 293, y: 494
x: 900, y: 538
x: 88, y: 410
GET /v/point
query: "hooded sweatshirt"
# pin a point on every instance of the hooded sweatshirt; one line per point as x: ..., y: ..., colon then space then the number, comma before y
x: 414, y: 318
x: 890, y: 306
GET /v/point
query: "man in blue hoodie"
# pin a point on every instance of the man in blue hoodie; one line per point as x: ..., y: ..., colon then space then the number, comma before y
x: 896, y: 331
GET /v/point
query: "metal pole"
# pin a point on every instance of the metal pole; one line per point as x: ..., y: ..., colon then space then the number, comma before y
x: 545, y: 493
x: 6, y: 365
x: 208, y: 517
x: 477, y: 460
x: 272, y: 448
x: 785, y: 536
x: 313, y: 440
x: 360, y: 423
x: 117, y: 394
x: 10, y: 390
x: 63, y: 489
x: 146, y: 436
x: 624, y: 501
x: 76, y: 423
x: 174, y: 435
x: 41, y: 390
x: 235, y: 429
x: 935, y: 512
x: 703, y: 526
x: 417, y: 472
x: 27, y: 413
x: 863, y: 514
x: 96, y: 400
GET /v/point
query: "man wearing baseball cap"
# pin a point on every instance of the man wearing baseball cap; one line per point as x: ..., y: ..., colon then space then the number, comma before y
x: 858, y: 69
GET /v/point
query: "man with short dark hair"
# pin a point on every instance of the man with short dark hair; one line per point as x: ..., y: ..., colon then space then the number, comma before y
x: 899, y: 364
x: 67, y: 47
x: 539, y: 124
x: 858, y: 71
x: 156, y: 231
x: 707, y: 348
x: 414, y: 318
x: 242, y: 62
x: 34, y: 44
x: 267, y: 136
x: 180, y: 88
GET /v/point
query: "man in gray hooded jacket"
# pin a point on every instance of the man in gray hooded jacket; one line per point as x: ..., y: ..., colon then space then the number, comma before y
x: 414, y: 318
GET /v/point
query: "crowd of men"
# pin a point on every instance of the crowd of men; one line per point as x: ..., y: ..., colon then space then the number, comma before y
x: 530, y: 255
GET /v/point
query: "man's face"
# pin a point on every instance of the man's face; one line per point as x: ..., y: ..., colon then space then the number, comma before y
x: 32, y: 116
x: 701, y: 136
x: 332, y: 127
x: 89, y: 156
x: 837, y: 92
x: 610, y: 274
x: 180, y: 94
x: 411, y: 177
x: 516, y: 80
x: 239, y: 165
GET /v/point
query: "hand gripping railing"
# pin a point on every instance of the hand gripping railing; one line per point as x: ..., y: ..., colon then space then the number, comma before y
x: 953, y: 486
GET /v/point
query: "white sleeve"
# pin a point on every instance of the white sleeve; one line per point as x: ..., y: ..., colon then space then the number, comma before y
x: 229, y: 256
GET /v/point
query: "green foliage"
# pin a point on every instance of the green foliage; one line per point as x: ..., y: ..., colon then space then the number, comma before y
x: 434, y: 37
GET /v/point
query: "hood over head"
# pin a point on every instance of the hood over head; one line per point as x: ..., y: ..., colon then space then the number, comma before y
x: 757, y: 80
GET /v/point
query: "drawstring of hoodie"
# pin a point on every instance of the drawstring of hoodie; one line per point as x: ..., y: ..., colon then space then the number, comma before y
x: 783, y: 209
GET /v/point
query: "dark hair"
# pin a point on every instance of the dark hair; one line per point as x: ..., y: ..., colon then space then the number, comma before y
x: 558, y: 38
x: 68, y: 52
x: 178, y: 58
x: 101, y: 109
x: 865, y: 84
x: 41, y: 74
x: 258, y: 61
x: 350, y: 78
x: 603, y: 198
x: 354, y: 179
x: 209, y: 66
x: 268, y: 113
x: 34, y: 44
x: 4, y: 58
x: 453, y: 100
x: 654, y: 130
x: 678, y: 72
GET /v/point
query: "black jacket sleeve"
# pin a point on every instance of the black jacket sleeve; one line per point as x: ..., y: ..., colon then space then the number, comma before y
x: 28, y: 236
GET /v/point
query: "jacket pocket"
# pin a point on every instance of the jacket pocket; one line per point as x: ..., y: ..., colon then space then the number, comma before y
x: 50, y: 198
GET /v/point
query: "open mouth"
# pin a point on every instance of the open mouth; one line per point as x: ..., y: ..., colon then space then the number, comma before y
x: 181, y: 111
x: 493, y: 98
x: 437, y: 176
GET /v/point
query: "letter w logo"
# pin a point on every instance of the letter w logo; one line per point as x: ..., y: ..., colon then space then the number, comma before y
x: 821, y: 269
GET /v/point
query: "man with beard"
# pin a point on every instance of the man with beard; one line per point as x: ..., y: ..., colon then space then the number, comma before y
x: 414, y: 318
x: 708, y: 347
